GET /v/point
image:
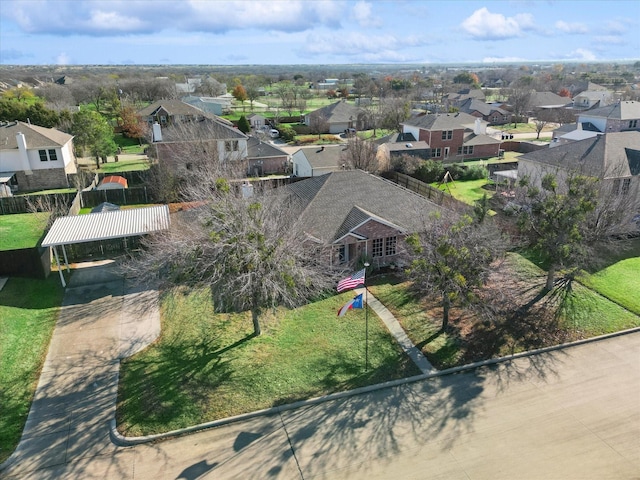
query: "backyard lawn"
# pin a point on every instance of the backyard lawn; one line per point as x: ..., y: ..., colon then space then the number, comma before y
x: 28, y: 312
x: 21, y: 230
x: 124, y: 166
x: 467, y: 191
x: 208, y: 366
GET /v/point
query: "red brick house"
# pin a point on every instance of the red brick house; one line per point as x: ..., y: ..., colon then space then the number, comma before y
x: 359, y: 215
x: 453, y: 137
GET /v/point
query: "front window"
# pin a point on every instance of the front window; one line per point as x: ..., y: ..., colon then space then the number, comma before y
x: 43, y: 155
x: 447, y: 134
x: 231, y: 146
x: 342, y: 253
x: 626, y: 186
x: 390, y: 246
x: 377, y: 247
x: 435, y: 152
x: 52, y: 155
x: 615, y: 188
x: 633, y: 123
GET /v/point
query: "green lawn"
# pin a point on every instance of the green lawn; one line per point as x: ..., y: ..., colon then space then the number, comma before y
x: 466, y: 191
x: 28, y: 312
x: 21, y: 230
x: 582, y: 313
x: 129, y: 145
x: 619, y: 282
x: 207, y: 366
x: 124, y: 166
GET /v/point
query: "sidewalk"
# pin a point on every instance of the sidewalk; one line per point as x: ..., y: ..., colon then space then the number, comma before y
x: 398, y: 332
x: 103, y: 318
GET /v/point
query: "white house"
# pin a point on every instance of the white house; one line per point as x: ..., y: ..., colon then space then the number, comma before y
x: 315, y: 161
x: 35, y: 158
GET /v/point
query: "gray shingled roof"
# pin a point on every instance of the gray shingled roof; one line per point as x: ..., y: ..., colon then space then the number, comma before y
x: 339, y: 112
x: 605, y: 156
x: 206, y: 128
x: 547, y: 99
x: 259, y: 149
x: 173, y: 107
x: 338, y: 201
x: 324, y: 156
x: 442, y: 121
x: 628, y: 110
x: 36, y: 137
x: 475, y: 105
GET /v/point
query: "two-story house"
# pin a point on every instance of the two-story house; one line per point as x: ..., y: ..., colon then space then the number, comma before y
x: 453, y: 137
x: 619, y: 117
x: 34, y: 158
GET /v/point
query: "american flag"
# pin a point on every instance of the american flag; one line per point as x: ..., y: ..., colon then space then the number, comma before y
x: 353, y: 281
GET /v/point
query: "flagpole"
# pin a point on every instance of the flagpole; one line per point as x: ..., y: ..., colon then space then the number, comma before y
x: 366, y: 322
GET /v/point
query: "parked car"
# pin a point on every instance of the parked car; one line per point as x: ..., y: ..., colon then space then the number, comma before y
x: 274, y: 133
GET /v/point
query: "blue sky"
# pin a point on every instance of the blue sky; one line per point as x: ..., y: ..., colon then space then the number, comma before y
x: 35, y: 32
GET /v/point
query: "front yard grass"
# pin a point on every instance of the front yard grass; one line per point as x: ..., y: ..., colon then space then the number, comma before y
x: 21, y: 230
x: 525, y: 321
x: 619, y: 282
x: 28, y: 312
x: 208, y: 366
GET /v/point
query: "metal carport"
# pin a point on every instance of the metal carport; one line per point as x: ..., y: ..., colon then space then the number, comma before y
x: 104, y: 226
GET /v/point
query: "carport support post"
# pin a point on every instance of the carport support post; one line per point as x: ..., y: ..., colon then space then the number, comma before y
x: 55, y: 253
x: 66, y: 262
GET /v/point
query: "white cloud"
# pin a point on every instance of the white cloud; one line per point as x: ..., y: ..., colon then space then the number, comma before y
x: 363, y: 15
x: 582, y: 54
x: 613, y: 27
x: 610, y: 39
x: 503, y: 59
x: 113, y: 21
x: 484, y: 25
x: 574, y: 28
x: 355, y: 43
x: 63, y: 59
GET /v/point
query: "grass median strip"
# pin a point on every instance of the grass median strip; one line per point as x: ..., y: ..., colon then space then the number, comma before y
x: 28, y: 313
x: 207, y: 366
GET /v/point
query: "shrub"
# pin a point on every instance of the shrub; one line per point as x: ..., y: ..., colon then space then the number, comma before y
x: 456, y: 171
x: 475, y: 172
x: 430, y: 171
x: 287, y: 133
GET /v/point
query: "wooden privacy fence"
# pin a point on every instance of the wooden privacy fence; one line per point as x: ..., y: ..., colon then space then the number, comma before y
x: 120, y: 196
x: 435, y: 195
x: 29, y: 203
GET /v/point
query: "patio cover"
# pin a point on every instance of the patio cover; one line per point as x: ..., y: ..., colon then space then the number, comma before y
x: 104, y: 226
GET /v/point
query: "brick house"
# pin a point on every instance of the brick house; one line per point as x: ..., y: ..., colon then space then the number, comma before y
x: 35, y: 158
x: 619, y: 117
x: 359, y: 215
x: 453, y: 137
x: 493, y: 114
x: 613, y: 158
x: 266, y: 159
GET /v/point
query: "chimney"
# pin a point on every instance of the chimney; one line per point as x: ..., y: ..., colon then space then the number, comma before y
x: 22, y: 153
x: 479, y: 128
x: 157, y: 132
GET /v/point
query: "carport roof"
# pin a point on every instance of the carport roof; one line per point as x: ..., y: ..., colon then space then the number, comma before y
x: 107, y: 225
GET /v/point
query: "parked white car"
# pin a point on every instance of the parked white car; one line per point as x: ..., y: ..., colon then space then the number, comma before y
x: 274, y: 133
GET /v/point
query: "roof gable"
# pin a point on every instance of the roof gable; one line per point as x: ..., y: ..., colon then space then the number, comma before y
x: 442, y: 121
x: 337, y: 202
x: 35, y: 136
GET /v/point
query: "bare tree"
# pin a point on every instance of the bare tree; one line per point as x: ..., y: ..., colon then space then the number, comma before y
x: 57, y: 97
x: 451, y: 257
x: 360, y: 154
x: 394, y: 111
x: 251, y: 252
x: 318, y: 123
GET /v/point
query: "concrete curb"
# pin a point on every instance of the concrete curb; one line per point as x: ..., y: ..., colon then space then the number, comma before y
x: 118, y: 439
